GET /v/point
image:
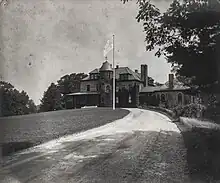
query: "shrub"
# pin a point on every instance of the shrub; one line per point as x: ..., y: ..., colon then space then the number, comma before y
x: 191, y: 110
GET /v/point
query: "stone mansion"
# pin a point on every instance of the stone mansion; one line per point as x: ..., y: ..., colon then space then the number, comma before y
x: 133, y: 88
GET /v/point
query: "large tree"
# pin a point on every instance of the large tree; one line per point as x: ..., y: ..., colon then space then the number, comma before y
x: 14, y: 102
x: 51, y: 99
x: 70, y: 83
x: 54, y: 97
x: 187, y: 35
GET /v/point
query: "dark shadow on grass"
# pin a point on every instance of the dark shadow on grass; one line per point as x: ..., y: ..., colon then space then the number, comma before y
x: 203, y: 153
x: 12, y: 147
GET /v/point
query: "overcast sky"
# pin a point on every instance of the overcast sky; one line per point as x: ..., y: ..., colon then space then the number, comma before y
x: 42, y: 40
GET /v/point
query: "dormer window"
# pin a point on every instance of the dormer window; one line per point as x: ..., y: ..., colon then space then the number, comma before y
x: 93, y: 76
x: 124, y: 76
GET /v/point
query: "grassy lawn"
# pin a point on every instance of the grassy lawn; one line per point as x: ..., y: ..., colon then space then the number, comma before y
x: 20, y: 132
x: 203, y: 153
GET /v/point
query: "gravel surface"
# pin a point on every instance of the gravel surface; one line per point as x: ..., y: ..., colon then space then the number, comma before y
x: 20, y: 132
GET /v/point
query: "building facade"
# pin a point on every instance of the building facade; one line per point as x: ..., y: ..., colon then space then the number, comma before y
x: 132, y: 89
x: 96, y: 89
x: 169, y: 95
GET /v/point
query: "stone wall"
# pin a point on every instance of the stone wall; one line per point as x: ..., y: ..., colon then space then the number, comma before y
x: 92, y: 83
x: 167, y: 99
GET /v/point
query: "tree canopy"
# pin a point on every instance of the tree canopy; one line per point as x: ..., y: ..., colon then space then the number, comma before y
x: 14, y: 102
x: 54, y: 96
x: 187, y: 35
x: 51, y: 99
x: 70, y: 83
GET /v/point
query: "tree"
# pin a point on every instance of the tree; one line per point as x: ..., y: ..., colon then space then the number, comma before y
x: 51, y: 99
x: 54, y: 97
x: 187, y: 36
x: 150, y: 81
x: 14, y: 102
x: 32, y: 108
x: 70, y: 83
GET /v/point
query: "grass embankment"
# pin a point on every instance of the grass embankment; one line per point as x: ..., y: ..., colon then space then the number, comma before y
x: 21, y: 132
x: 203, y: 152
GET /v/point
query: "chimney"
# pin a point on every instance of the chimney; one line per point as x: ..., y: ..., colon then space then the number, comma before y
x: 144, y: 74
x: 117, y: 66
x: 136, y: 70
x: 171, y: 78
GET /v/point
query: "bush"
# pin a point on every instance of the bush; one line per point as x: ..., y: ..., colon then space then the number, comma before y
x: 191, y: 110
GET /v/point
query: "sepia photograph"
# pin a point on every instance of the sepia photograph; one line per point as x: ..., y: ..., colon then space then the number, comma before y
x: 109, y: 91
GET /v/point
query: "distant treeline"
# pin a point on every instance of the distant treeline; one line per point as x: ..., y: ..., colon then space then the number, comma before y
x: 14, y: 102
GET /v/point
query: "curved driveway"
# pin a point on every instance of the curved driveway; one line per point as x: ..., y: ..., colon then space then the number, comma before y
x: 144, y: 146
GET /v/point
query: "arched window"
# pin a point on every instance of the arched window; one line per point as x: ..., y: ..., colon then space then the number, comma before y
x: 162, y: 97
x: 180, y: 98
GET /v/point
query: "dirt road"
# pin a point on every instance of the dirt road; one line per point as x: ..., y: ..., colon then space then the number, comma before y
x: 144, y: 146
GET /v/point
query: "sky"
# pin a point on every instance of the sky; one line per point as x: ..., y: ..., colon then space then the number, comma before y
x: 42, y: 40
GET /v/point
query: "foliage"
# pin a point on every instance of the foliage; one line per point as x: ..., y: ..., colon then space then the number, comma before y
x: 190, y: 110
x: 51, y: 99
x: 150, y: 81
x: 70, y: 83
x: 54, y: 97
x: 14, y: 102
x: 187, y: 35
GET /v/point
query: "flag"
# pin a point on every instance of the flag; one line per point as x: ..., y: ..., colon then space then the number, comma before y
x: 108, y: 47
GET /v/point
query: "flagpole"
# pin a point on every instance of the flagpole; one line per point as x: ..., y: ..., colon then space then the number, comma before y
x: 113, y: 64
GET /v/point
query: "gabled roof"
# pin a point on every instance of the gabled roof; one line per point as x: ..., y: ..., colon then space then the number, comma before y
x: 121, y: 70
x: 165, y: 87
x: 126, y: 70
x: 95, y: 71
x: 86, y: 78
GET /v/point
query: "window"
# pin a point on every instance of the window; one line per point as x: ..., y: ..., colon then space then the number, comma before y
x: 97, y: 87
x: 96, y: 76
x: 88, y: 87
x: 123, y: 76
x: 162, y: 98
x: 102, y: 100
x: 117, y: 101
x: 93, y: 76
x: 129, y: 99
x: 108, y: 75
x: 158, y: 96
x: 180, y: 98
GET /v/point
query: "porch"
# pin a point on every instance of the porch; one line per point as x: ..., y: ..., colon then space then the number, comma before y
x: 81, y: 99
